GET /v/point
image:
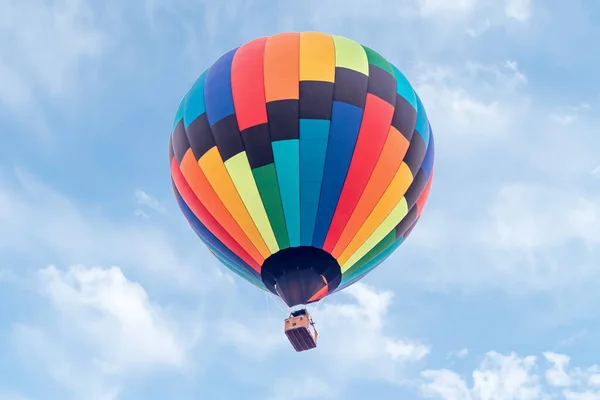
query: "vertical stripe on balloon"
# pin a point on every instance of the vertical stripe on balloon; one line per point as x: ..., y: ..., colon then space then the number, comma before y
x: 282, y: 93
x: 349, y: 96
x: 220, y: 109
x: 375, y: 125
x: 248, y: 87
x: 317, y: 74
x: 343, y: 133
x: 314, y: 134
x: 374, y: 128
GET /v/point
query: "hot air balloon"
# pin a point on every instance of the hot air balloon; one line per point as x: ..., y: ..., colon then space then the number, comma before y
x: 302, y: 161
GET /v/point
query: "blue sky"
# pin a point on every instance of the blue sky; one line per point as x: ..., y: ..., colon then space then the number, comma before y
x: 107, y: 294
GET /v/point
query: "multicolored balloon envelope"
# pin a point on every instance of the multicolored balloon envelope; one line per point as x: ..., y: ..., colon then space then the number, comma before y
x: 302, y: 160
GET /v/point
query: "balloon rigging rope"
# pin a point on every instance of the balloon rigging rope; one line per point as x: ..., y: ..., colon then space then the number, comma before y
x: 274, y: 298
x: 316, y: 308
x: 268, y: 308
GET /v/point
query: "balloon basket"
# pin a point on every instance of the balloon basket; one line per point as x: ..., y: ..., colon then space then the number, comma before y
x: 300, y: 330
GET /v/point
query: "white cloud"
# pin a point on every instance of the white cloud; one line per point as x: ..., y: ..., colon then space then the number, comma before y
x: 506, y: 377
x: 354, y: 336
x: 474, y: 17
x: 478, y: 27
x: 490, y: 110
x: 471, y: 102
x: 33, y: 215
x: 358, y: 341
x: 500, y: 147
x: 518, y: 9
x: 521, y: 237
x: 568, y: 115
x: 547, y: 144
x: 140, y: 333
x: 525, y: 209
x: 103, y: 327
x: 429, y: 7
x: 462, y: 353
x: 531, y: 216
x: 47, y: 354
x: 444, y: 384
x: 145, y: 200
x: 557, y: 375
x: 594, y: 380
x: 43, y: 47
x: 511, y: 377
x: 587, y: 395
x: 300, y: 388
x: 573, y: 338
x: 543, y: 237
x: 249, y: 339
